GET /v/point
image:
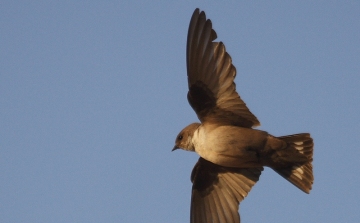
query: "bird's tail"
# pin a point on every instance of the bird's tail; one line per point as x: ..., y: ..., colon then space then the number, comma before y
x: 299, y: 152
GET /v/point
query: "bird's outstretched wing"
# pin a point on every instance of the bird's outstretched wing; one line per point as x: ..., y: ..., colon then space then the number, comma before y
x: 212, y: 92
x: 217, y: 191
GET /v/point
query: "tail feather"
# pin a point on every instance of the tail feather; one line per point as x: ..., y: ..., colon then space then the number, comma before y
x: 301, y: 142
x: 300, y: 172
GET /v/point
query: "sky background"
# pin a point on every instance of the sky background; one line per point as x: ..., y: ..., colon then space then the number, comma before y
x: 93, y: 94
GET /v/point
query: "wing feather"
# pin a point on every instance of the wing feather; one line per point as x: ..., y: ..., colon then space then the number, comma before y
x: 212, y: 91
x: 217, y: 191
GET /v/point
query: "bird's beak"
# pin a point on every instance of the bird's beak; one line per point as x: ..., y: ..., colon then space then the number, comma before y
x: 175, y: 148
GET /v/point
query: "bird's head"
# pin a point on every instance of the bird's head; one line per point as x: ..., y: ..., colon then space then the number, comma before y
x: 184, y: 138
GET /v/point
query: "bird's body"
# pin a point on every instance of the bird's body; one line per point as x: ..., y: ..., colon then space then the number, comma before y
x: 229, y: 146
x: 232, y: 153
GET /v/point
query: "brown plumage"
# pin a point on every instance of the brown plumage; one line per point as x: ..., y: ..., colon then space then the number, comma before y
x: 232, y: 154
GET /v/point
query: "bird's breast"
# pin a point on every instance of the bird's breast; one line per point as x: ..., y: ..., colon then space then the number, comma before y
x: 229, y: 145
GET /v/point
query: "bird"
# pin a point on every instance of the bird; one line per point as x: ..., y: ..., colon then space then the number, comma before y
x: 232, y: 152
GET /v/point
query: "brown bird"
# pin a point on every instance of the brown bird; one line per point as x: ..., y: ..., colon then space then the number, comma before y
x: 232, y: 154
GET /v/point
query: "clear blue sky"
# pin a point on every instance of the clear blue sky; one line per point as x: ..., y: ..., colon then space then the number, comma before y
x: 93, y: 93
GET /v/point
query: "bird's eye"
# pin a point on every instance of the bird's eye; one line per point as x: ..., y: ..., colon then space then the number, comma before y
x: 180, y: 137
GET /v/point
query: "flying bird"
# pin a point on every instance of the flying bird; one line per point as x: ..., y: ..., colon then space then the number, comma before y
x: 232, y: 153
